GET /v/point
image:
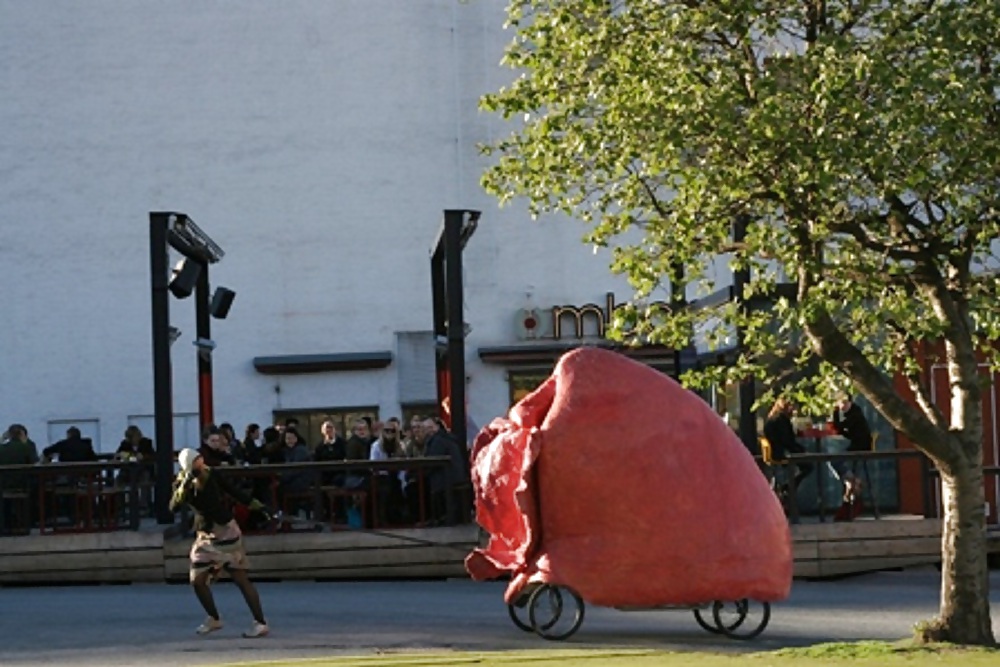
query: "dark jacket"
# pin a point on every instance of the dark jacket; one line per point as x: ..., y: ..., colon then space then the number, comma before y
x: 214, y: 457
x: 331, y: 451
x: 17, y: 452
x: 853, y: 426
x: 781, y: 434
x: 72, y: 450
x: 252, y: 452
x: 144, y: 450
x: 358, y: 449
x: 443, y: 443
x: 299, y: 480
x: 209, y: 501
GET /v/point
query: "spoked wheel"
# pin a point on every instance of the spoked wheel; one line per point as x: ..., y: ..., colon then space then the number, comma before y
x: 519, y: 613
x: 552, y: 614
x: 705, y: 618
x: 742, y: 619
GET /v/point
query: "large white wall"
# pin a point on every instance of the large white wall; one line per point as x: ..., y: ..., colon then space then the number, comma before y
x: 317, y: 142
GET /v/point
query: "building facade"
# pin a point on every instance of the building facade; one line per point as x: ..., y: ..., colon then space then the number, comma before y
x: 318, y: 144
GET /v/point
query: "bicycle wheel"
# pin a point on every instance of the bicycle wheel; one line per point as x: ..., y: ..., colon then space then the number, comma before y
x: 545, y: 611
x: 754, y: 617
x: 729, y: 615
x: 708, y: 625
x: 519, y: 613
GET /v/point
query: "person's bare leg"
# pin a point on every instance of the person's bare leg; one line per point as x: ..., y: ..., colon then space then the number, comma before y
x: 850, y: 488
x: 204, y: 593
x: 250, y: 594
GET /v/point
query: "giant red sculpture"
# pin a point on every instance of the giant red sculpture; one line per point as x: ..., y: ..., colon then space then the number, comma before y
x: 614, y: 480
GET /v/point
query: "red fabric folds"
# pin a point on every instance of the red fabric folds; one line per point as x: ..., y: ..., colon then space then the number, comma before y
x: 614, y: 480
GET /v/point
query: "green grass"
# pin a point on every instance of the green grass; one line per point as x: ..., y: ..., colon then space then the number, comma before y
x: 855, y: 653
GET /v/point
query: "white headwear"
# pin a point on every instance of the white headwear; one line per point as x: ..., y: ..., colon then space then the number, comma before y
x: 186, y: 458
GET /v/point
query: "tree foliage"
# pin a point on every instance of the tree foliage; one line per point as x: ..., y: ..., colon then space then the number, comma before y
x: 860, y: 139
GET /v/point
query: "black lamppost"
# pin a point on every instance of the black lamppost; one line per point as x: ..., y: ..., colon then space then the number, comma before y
x: 747, y: 386
x: 178, y: 231
x: 449, y: 324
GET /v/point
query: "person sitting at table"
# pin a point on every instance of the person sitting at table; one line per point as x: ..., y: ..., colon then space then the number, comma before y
x: 72, y: 449
x: 780, y: 433
x: 850, y: 422
x: 294, y: 486
x: 135, y: 446
x: 214, y: 447
x: 389, y: 484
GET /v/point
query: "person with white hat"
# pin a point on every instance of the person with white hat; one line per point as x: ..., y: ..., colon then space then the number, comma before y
x: 218, y: 541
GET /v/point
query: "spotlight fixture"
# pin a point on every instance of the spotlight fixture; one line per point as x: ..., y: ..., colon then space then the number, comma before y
x: 222, y: 300
x: 185, y: 278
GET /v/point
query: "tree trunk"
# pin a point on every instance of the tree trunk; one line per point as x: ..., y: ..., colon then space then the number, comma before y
x: 964, y: 617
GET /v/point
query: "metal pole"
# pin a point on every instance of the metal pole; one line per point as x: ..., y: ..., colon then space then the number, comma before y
x: 678, y: 302
x: 747, y: 390
x: 203, y: 332
x: 439, y: 301
x: 453, y: 220
x: 162, y: 389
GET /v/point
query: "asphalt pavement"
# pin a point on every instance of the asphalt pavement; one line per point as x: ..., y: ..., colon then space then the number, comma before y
x: 153, y: 624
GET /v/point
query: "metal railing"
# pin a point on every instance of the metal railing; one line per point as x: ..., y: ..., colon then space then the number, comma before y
x: 823, y: 463
x: 105, y: 496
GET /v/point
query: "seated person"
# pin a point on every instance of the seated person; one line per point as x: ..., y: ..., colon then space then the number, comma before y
x: 136, y: 446
x: 298, y: 481
x: 358, y: 448
x: 19, y: 449
x: 780, y: 433
x: 214, y: 448
x: 72, y: 449
x: 391, y: 504
x: 333, y: 448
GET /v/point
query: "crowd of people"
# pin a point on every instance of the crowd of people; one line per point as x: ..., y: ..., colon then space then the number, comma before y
x: 396, y: 498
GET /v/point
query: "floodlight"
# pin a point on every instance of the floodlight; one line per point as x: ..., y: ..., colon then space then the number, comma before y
x: 185, y: 278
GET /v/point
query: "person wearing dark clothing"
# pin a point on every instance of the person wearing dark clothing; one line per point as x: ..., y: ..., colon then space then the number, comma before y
x: 358, y: 448
x: 292, y: 485
x: 214, y: 448
x: 443, y: 480
x: 850, y: 422
x: 359, y: 445
x: 218, y: 543
x: 73, y: 449
x: 780, y: 433
x: 253, y: 452
x: 135, y: 445
x: 18, y: 450
x: 271, y: 450
x: 333, y: 448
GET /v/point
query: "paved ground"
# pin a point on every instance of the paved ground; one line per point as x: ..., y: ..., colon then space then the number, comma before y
x: 152, y: 625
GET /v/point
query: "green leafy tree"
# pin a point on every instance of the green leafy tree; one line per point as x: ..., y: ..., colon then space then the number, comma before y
x: 859, y: 141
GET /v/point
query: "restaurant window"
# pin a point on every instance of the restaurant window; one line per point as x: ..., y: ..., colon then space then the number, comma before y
x: 523, y: 382
x: 311, y: 420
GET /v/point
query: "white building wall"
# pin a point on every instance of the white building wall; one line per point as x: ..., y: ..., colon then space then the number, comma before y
x: 316, y: 142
